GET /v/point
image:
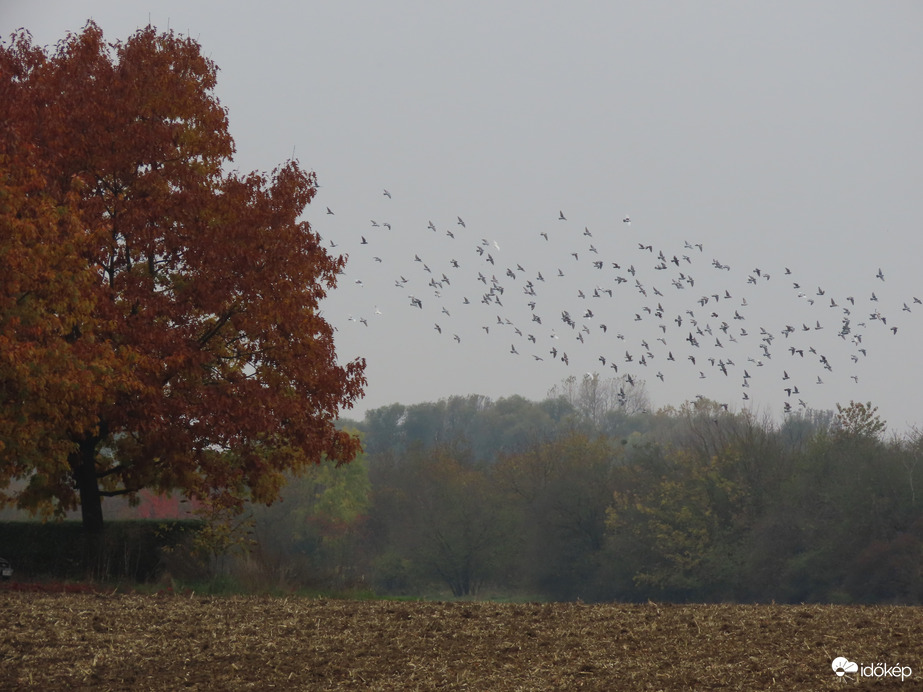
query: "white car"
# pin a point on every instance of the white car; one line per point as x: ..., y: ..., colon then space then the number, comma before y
x: 6, y: 569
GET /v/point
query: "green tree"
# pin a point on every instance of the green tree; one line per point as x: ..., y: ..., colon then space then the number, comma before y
x: 559, y: 491
x: 440, y: 519
x: 673, y: 517
x: 383, y: 429
x: 510, y: 424
x: 314, y: 532
x: 845, y: 524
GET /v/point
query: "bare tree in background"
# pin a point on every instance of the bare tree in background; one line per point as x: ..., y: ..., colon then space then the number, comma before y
x: 594, y: 397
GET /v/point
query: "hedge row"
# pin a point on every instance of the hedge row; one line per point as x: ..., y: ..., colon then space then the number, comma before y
x: 131, y: 550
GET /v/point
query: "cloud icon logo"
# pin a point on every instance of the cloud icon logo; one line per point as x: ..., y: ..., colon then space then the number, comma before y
x: 842, y: 665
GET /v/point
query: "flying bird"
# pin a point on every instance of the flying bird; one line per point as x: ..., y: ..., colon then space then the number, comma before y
x: 666, y: 327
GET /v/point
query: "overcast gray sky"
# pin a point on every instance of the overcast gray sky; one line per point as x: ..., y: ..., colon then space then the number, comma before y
x: 776, y: 135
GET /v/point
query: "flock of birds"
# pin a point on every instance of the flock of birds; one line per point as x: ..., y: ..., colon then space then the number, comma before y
x: 614, y: 301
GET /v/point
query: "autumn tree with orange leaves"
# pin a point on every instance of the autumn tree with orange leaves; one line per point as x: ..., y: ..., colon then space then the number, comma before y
x: 159, y: 321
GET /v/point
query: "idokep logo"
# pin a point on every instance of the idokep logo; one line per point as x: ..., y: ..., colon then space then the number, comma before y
x: 842, y: 665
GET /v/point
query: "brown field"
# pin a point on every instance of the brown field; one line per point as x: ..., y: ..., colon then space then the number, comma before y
x: 83, y: 641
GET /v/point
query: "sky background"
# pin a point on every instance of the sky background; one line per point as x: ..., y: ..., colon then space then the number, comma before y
x: 777, y: 135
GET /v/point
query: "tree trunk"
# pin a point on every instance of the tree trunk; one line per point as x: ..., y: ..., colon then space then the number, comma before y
x: 83, y: 465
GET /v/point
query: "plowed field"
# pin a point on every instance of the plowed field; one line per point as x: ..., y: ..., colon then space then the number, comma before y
x: 132, y: 642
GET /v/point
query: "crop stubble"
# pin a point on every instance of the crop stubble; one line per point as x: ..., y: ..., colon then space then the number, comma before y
x: 146, y: 642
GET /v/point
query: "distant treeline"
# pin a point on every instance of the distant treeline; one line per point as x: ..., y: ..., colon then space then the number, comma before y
x: 590, y: 495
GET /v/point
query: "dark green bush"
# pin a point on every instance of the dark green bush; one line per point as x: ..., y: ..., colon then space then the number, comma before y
x: 127, y: 550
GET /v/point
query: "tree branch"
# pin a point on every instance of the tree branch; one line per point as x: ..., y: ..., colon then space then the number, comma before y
x: 116, y: 493
x: 207, y: 336
x: 108, y: 472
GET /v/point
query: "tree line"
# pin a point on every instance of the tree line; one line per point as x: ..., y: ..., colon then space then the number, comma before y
x: 563, y: 499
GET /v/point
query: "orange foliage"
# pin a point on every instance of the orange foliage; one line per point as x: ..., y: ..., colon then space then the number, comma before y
x: 159, y: 317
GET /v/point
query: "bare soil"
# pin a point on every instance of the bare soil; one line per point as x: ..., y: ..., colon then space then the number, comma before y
x: 84, y: 641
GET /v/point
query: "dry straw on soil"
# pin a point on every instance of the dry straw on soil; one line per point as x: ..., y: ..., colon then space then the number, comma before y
x: 96, y: 641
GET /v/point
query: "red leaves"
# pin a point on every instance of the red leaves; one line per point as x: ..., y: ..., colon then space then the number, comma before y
x: 185, y: 300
